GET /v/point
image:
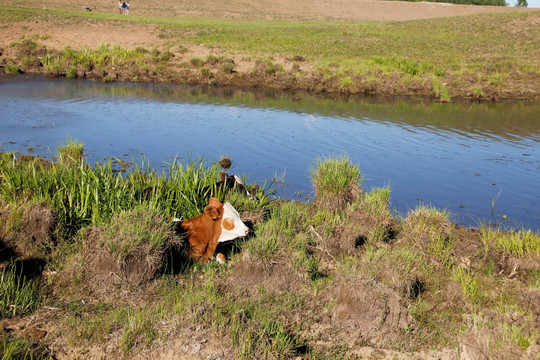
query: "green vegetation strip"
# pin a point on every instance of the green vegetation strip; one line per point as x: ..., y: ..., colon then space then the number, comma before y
x: 404, y: 45
x: 18, y: 295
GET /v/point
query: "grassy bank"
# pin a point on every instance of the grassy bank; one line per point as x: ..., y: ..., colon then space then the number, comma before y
x: 90, y: 267
x: 492, y: 56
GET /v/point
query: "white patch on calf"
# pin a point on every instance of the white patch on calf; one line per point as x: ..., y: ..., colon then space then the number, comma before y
x: 231, y: 216
x: 220, y: 258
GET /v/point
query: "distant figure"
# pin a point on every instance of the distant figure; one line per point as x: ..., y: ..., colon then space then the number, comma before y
x: 120, y: 6
x: 127, y: 7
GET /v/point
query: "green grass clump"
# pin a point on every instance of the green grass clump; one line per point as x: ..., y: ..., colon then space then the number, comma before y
x: 432, y: 230
x: 206, y: 72
x: 411, y: 67
x: 71, y: 72
x: 426, y: 219
x: 227, y: 67
x: 516, y: 243
x: 14, y: 347
x: 336, y: 181
x: 71, y: 152
x: 211, y: 59
x: 469, y: 284
x: 12, y: 69
x: 52, y: 64
x: 197, y: 62
x: 440, y: 90
x: 335, y: 175
x: 281, y: 229
x: 130, y: 229
x: 375, y: 203
x: 18, y: 295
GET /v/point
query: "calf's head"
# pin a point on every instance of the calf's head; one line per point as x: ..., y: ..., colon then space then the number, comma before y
x: 231, y: 225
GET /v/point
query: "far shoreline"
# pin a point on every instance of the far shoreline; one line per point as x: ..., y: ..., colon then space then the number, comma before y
x: 471, y: 57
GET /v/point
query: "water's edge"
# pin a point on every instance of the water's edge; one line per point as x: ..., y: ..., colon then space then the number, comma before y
x: 477, y: 160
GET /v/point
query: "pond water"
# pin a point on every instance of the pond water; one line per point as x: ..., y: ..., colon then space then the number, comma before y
x: 479, y: 161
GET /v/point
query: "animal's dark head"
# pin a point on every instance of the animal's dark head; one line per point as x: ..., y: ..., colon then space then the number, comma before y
x: 226, y: 183
x: 231, y: 181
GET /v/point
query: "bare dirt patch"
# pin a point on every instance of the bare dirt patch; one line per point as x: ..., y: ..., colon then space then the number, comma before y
x: 85, y: 35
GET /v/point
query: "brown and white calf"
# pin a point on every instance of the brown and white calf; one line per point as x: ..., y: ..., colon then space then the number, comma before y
x: 218, y: 223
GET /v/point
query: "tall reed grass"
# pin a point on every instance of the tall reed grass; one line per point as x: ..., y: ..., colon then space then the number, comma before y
x: 334, y: 175
x: 90, y: 195
x: 520, y: 243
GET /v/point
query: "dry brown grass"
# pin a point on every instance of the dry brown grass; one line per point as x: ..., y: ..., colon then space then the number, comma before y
x: 275, y: 274
x: 125, y: 255
x: 366, y: 311
x: 28, y: 229
x: 283, y: 10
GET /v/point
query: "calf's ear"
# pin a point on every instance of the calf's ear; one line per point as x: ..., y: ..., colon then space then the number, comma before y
x: 215, y: 203
x: 212, y: 212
